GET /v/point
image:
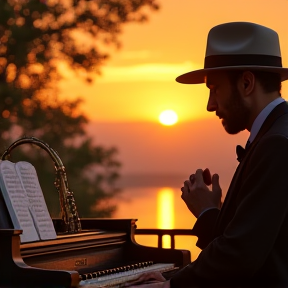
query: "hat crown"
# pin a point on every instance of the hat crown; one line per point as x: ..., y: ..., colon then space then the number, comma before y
x: 239, y: 38
x: 239, y: 46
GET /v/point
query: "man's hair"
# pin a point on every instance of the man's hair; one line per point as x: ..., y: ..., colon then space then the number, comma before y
x: 269, y: 81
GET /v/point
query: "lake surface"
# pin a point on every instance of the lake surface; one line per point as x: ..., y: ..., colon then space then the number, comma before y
x: 158, y: 207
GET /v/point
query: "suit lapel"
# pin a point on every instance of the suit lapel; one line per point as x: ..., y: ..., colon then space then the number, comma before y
x: 277, y: 112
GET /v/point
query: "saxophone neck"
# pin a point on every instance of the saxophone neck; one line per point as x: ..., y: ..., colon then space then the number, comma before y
x: 68, y: 207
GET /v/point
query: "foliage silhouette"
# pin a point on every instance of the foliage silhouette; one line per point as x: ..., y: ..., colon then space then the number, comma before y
x: 36, y: 36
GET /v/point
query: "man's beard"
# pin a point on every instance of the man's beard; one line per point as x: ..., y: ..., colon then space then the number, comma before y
x: 236, y: 114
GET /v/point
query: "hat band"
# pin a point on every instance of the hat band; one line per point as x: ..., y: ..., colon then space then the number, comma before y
x: 215, y: 61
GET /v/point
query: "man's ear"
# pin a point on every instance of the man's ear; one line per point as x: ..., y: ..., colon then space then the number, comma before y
x: 248, y: 82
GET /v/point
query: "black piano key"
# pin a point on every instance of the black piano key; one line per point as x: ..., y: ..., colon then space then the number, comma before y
x: 89, y: 276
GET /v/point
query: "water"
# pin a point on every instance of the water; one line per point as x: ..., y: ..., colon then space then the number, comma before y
x: 158, y: 207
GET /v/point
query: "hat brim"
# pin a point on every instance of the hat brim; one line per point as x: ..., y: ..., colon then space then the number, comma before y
x: 198, y: 76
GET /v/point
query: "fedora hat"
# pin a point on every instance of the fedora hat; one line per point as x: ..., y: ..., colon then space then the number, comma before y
x: 239, y: 46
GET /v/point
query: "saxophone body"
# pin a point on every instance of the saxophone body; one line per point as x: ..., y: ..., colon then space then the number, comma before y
x: 68, y: 207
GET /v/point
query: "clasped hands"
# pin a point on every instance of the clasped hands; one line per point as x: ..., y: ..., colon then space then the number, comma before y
x: 198, y: 198
x: 196, y: 194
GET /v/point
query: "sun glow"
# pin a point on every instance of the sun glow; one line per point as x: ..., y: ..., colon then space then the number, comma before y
x: 168, y: 117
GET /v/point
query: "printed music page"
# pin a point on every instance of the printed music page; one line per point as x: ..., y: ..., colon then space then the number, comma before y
x: 17, y: 202
x: 39, y: 211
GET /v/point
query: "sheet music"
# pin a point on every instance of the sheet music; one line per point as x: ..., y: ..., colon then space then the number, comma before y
x: 25, y: 201
x: 37, y: 204
x: 17, y: 202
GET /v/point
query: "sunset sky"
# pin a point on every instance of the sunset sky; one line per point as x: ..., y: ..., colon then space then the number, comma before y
x: 138, y: 83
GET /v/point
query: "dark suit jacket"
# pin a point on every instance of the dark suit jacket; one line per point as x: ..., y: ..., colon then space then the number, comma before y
x: 246, y: 243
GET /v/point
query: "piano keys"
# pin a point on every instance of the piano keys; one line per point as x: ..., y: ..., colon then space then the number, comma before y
x: 116, y: 276
x: 94, y: 256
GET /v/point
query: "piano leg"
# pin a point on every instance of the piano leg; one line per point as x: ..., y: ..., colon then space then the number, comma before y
x: 15, y: 273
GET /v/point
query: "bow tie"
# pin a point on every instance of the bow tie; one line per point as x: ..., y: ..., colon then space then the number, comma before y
x: 240, y: 151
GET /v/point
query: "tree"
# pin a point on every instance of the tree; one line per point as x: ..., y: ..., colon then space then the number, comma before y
x: 35, y: 36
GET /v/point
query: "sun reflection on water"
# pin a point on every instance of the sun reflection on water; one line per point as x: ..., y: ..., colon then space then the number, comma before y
x: 165, y: 212
x: 158, y: 207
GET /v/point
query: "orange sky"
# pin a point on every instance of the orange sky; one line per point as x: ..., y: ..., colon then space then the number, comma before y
x: 138, y: 82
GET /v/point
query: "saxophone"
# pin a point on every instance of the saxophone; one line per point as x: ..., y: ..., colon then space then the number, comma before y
x: 69, y: 212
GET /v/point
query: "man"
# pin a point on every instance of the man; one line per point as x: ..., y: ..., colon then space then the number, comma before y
x: 244, y: 242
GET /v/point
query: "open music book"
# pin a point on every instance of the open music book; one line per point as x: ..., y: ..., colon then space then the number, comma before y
x: 25, y: 201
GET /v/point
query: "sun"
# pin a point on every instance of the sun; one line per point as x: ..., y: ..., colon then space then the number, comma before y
x: 168, y: 117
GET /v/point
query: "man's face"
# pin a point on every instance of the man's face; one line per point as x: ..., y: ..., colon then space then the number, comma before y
x: 226, y: 100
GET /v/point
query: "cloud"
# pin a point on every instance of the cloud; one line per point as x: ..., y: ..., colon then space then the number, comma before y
x: 144, y: 72
x: 136, y: 55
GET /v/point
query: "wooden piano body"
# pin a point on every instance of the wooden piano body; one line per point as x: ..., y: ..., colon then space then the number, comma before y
x: 103, y: 244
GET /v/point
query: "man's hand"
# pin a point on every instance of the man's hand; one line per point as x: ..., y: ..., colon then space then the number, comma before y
x: 148, y: 280
x: 197, y: 195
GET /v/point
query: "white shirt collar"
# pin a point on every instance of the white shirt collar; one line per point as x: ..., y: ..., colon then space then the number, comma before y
x: 262, y: 117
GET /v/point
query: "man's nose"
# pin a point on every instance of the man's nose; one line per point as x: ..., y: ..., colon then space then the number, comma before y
x: 212, y: 104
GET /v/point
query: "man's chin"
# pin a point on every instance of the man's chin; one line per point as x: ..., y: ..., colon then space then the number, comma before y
x: 230, y: 130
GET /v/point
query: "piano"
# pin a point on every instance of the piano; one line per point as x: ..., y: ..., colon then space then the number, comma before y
x: 87, y: 252
x: 105, y: 248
